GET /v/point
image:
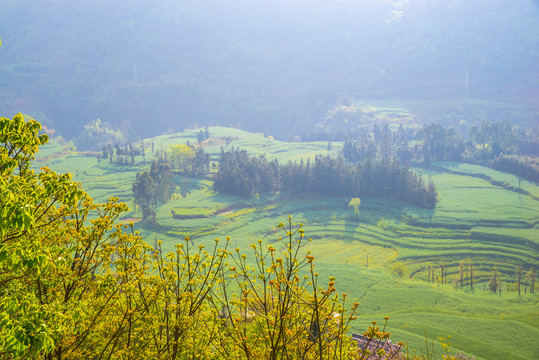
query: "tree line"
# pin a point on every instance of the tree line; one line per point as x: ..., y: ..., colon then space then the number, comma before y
x: 245, y: 175
x: 466, y: 277
x: 521, y: 278
x: 525, y: 166
x: 496, y: 145
x: 125, y: 155
x: 155, y: 186
x: 185, y: 159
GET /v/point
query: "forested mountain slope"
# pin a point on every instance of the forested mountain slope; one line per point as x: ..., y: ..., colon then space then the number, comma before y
x: 278, y: 66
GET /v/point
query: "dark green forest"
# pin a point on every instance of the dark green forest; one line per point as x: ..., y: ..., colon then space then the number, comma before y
x: 243, y: 175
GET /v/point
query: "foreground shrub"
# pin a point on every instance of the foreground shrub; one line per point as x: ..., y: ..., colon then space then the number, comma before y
x: 75, y: 284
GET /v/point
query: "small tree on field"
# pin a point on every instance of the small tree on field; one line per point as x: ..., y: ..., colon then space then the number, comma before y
x: 494, y: 283
x: 461, y: 273
x: 466, y: 269
x: 443, y: 271
x: 355, y: 202
x: 430, y: 270
x: 472, y: 274
x: 398, y: 269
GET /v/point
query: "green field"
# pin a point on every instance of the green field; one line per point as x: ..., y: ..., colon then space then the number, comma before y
x: 493, y: 226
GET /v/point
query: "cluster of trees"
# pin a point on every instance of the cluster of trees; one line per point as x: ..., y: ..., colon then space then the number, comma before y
x: 125, y: 155
x: 522, y: 278
x: 492, y: 144
x: 75, y: 284
x: 153, y: 187
x: 420, y: 145
x: 440, y: 144
x: 528, y: 140
x: 203, y: 135
x: 525, y: 166
x: 244, y: 175
x: 185, y: 159
x: 466, y: 276
x: 97, y: 134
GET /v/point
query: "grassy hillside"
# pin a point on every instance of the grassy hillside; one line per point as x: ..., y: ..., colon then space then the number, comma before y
x: 473, y: 220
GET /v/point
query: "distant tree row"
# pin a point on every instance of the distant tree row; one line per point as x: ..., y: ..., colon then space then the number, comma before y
x: 241, y: 174
x: 526, y: 166
x: 185, y: 159
x: 466, y: 277
x: 409, y: 145
x: 492, y: 144
x: 123, y: 155
x: 495, y: 283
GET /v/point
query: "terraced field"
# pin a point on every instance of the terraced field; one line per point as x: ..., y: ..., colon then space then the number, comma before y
x: 475, y: 219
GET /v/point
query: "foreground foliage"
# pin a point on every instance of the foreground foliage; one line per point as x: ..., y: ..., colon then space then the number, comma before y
x: 74, y: 284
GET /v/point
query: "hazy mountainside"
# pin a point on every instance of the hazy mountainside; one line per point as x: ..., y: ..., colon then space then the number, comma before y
x: 278, y: 66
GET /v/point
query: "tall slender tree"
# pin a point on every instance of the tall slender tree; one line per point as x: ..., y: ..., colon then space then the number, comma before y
x: 144, y: 192
x: 531, y: 279
x: 518, y: 273
x: 461, y: 273
x: 494, y: 281
x: 472, y: 274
